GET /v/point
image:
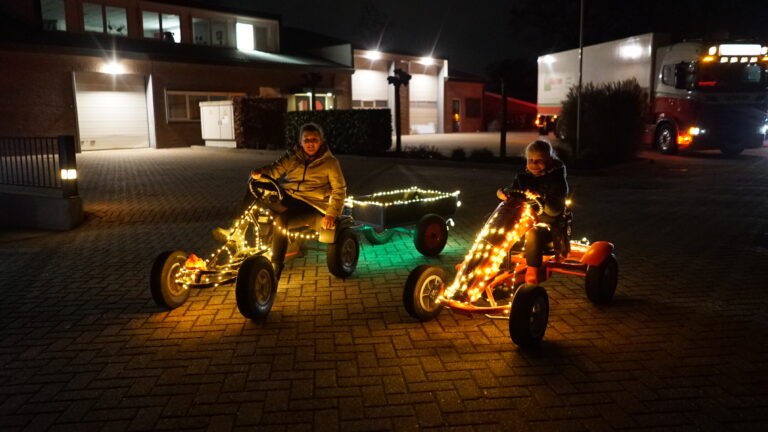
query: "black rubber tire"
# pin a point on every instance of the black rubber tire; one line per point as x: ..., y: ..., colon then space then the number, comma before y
x: 162, y: 280
x: 529, y: 315
x: 431, y: 235
x: 731, y: 148
x: 255, y: 288
x: 342, y: 255
x: 666, y: 139
x: 377, y: 237
x: 600, y: 283
x: 421, y: 290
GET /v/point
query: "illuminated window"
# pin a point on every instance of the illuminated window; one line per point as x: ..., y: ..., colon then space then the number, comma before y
x: 244, y: 35
x: 158, y: 25
x: 53, y: 14
x: 99, y: 18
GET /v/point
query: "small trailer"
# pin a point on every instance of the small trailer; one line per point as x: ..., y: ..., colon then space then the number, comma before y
x: 424, y: 213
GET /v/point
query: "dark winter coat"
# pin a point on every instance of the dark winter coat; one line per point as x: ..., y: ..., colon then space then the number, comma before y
x: 551, y: 186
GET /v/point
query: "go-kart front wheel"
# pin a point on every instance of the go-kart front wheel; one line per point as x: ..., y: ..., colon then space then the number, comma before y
x: 256, y: 288
x: 165, y: 290
x: 529, y: 315
x: 421, y: 291
x: 601, y: 280
x: 342, y: 254
x: 431, y: 235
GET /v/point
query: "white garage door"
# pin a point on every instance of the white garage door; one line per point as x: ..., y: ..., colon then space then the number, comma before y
x: 423, y: 103
x: 111, y: 111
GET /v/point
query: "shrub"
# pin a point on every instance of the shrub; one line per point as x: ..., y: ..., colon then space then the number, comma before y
x: 362, y: 132
x: 458, y: 154
x: 259, y: 122
x: 481, y: 155
x: 422, y: 152
x: 612, y: 122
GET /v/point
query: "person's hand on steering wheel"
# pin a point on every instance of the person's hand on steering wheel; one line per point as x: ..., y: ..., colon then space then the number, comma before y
x: 328, y: 222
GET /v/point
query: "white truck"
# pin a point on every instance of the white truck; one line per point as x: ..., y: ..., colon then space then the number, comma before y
x: 702, y: 95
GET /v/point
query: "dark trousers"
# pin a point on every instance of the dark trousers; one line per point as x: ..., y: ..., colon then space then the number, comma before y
x: 297, y: 213
x: 536, y: 239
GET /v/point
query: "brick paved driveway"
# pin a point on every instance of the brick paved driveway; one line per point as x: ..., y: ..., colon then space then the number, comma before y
x: 683, y: 346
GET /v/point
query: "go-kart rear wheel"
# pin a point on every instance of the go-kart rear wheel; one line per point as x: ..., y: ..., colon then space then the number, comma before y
x: 601, y: 280
x: 165, y: 290
x: 529, y: 315
x: 421, y: 292
x: 378, y: 236
x: 256, y: 288
x: 342, y: 254
x: 431, y: 235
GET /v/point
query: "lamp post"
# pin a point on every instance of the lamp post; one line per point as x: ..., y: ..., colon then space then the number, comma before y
x: 401, y: 77
x: 581, y: 64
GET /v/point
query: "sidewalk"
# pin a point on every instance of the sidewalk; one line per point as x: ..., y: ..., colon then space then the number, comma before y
x: 682, y: 347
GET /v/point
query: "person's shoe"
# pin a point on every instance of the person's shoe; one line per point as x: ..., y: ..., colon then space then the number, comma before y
x: 220, y: 234
x: 532, y: 275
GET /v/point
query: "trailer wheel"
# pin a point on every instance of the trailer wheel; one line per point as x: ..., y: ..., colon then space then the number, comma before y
x: 256, y: 288
x: 165, y: 290
x: 529, y: 315
x: 666, y: 139
x: 601, y: 280
x: 421, y: 292
x: 431, y: 235
x: 378, y: 236
x: 342, y: 255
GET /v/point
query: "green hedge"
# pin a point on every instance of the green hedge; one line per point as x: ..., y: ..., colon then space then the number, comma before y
x: 361, y: 132
x: 613, y: 117
x: 259, y: 122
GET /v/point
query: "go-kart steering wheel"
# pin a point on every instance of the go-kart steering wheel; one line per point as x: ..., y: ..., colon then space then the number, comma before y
x: 537, y: 204
x: 260, y: 188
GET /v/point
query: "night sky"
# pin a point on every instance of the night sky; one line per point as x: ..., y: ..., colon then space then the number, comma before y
x: 474, y: 34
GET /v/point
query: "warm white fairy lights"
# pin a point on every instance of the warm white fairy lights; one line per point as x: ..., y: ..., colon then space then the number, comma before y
x: 221, y: 267
x: 483, y: 261
x: 397, y: 197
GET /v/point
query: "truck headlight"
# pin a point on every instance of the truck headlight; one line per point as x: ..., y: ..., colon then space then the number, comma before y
x: 764, y: 129
x: 693, y: 130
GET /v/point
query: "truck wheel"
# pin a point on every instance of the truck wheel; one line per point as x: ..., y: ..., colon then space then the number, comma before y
x: 256, y: 288
x: 421, y: 290
x: 529, y: 315
x: 165, y: 290
x: 666, y: 139
x: 342, y: 255
x: 731, y: 148
x: 431, y: 235
x: 378, y: 236
x: 601, y: 280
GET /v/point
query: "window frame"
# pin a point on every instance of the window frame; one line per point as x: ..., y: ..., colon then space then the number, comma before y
x: 161, y: 31
x: 104, y: 19
x: 187, y: 94
x: 63, y: 19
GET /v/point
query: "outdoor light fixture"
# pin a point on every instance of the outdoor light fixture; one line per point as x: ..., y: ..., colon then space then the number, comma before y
x: 113, y: 67
x: 547, y: 59
x: 633, y: 51
x: 740, y: 49
x: 69, y: 174
x: 764, y: 129
x: 427, y: 61
x: 372, y: 55
x: 712, y: 50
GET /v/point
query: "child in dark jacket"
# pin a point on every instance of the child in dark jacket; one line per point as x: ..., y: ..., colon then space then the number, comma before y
x: 544, y: 177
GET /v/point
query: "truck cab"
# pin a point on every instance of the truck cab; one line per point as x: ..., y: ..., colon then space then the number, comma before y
x: 710, y: 96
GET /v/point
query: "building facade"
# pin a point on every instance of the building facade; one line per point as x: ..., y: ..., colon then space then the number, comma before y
x: 131, y: 73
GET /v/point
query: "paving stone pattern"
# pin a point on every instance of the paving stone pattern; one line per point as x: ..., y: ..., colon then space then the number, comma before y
x: 682, y: 347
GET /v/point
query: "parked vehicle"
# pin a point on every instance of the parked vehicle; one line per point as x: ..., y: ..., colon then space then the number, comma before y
x: 702, y: 95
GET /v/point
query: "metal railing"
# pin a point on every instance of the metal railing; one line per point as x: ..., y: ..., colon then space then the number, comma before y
x: 44, y: 162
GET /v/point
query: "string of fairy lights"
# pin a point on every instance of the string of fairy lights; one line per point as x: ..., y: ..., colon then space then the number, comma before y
x: 419, y: 195
x: 237, y: 246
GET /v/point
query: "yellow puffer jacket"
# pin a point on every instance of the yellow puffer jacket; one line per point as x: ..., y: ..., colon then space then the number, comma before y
x: 318, y: 180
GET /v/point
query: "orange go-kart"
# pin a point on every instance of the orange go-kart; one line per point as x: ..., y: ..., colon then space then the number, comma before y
x: 491, y: 279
